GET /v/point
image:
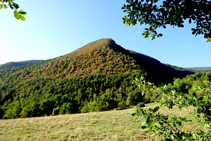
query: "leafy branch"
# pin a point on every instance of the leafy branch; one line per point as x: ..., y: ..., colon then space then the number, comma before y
x: 170, y: 126
x: 18, y: 14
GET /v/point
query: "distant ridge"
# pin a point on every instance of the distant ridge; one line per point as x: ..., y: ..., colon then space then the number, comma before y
x: 15, y: 64
x: 200, y: 68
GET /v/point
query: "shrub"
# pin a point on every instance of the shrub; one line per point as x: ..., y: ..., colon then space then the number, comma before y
x: 66, y: 108
x: 122, y: 105
x: 135, y: 97
x: 102, y: 103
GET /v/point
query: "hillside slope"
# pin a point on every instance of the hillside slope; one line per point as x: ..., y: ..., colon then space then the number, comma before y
x: 16, y: 64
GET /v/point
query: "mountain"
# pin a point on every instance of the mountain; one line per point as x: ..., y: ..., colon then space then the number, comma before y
x: 21, y: 63
x: 95, y: 77
x: 200, y: 68
x: 103, y: 56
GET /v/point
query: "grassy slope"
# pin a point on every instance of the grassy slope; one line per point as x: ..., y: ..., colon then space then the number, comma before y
x: 111, y: 125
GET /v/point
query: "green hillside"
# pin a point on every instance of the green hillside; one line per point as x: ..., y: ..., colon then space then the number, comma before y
x: 16, y: 64
x: 96, y: 77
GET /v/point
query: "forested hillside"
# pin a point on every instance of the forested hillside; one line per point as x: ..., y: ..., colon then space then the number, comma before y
x: 16, y: 64
x: 95, y: 77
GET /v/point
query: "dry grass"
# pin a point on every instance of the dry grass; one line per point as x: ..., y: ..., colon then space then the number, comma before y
x: 111, y: 125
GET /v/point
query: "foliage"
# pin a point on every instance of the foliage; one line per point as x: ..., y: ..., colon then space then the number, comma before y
x: 16, y: 64
x: 170, y: 12
x: 40, y: 97
x: 190, y: 83
x: 170, y: 126
x: 14, y: 6
x: 65, y: 108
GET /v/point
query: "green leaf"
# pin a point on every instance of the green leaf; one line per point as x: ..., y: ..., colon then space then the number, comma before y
x: 15, y: 5
x: 150, y: 109
x: 208, y: 40
x: 184, y: 119
x: 22, y: 12
x: 1, y: 6
x: 11, y: 6
x: 134, y: 114
x: 16, y: 14
x: 150, y: 129
x: 144, y: 127
x: 156, y: 109
x: 22, y: 18
x: 5, y: 7
x: 172, y: 137
x: 149, y: 121
x: 172, y: 120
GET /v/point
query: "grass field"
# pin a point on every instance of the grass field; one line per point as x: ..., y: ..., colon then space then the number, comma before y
x: 110, y: 125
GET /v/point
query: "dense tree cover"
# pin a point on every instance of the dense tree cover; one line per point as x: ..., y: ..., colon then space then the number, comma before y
x: 40, y: 97
x: 18, y: 14
x: 190, y: 83
x: 16, y: 64
x: 169, y: 12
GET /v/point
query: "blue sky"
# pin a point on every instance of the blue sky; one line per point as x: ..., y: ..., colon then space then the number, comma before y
x: 55, y: 28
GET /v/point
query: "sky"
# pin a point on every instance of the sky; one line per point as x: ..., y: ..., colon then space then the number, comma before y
x: 53, y: 29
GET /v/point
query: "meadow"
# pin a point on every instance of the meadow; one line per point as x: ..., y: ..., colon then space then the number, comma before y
x: 115, y: 125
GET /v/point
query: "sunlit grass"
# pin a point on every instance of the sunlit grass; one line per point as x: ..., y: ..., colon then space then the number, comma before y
x: 110, y: 125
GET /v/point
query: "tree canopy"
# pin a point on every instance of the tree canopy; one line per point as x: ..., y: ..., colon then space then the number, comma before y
x: 18, y: 14
x: 169, y: 12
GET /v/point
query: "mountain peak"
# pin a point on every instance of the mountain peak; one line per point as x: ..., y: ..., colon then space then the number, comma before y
x: 108, y: 42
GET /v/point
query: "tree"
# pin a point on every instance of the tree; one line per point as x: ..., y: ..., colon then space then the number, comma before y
x: 14, y: 6
x: 169, y: 12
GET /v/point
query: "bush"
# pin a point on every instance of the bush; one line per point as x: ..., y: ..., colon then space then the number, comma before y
x: 122, y: 105
x: 66, y: 108
x: 102, y: 103
x: 9, y: 114
x: 24, y: 113
x: 135, y: 97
